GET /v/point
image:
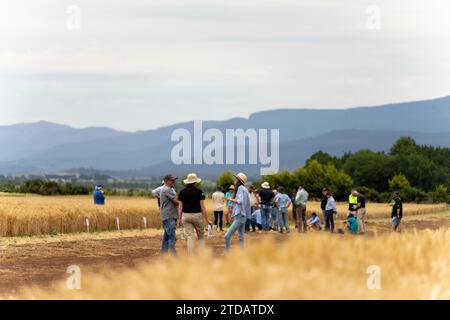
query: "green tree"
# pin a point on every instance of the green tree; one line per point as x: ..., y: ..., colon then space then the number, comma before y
x: 399, y: 182
x: 404, y: 146
x: 225, y: 180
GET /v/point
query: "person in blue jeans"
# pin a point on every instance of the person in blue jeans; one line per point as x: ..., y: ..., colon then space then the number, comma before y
x: 282, y: 202
x: 241, y: 211
x: 169, y: 214
x: 266, y: 196
x: 274, y: 212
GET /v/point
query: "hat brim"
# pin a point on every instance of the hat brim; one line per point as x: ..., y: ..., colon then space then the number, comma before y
x: 243, y: 182
x: 192, y: 182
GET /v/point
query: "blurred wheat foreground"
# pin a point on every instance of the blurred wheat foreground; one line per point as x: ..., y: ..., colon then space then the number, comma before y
x: 412, y: 265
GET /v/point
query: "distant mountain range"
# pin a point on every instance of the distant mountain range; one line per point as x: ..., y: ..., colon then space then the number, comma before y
x: 49, y: 147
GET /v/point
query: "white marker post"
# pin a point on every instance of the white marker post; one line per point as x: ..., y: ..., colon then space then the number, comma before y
x: 145, y: 222
x: 118, y: 223
x: 87, y: 224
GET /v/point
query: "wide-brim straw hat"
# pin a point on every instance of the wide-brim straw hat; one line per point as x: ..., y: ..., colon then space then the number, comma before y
x: 241, y: 177
x: 266, y: 185
x: 192, y: 178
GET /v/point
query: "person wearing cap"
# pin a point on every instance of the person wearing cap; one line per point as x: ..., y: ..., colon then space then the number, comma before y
x: 169, y: 214
x: 157, y: 193
x: 300, y: 200
x: 397, y: 211
x: 229, y: 205
x: 192, y: 211
x: 241, y: 210
x: 99, y: 195
x: 282, y: 202
x: 266, y: 196
x: 218, y: 198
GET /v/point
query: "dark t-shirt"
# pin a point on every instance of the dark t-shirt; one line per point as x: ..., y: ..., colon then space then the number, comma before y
x: 191, y: 197
x: 397, y: 204
x: 266, y: 196
x: 362, y: 201
x: 323, y: 203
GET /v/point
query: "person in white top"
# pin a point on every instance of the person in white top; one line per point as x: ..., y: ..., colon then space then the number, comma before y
x: 218, y: 198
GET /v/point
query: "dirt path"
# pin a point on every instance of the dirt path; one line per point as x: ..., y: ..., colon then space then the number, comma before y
x: 42, y: 261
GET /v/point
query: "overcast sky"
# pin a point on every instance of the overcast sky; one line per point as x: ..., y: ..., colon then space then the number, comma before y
x: 142, y: 64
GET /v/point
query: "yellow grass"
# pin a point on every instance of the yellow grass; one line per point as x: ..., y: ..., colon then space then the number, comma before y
x: 37, y: 215
x: 413, y: 266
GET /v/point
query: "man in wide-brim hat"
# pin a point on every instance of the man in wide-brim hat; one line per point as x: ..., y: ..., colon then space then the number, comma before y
x: 241, y: 210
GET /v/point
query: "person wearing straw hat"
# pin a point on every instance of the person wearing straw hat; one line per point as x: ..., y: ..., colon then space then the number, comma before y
x: 241, y: 210
x: 267, y: 196
x: 192, y: 211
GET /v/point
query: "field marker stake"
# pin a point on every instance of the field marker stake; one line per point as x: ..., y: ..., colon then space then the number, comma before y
x: 118, y: 223
x: 145, y: 222
x: 87, y: 224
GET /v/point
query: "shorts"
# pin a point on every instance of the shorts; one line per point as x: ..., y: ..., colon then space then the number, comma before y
x: 396, y: 221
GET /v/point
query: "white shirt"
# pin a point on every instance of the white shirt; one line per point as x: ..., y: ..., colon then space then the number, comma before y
x: 218, y: 200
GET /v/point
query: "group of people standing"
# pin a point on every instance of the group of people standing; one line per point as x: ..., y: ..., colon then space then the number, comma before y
x: 246, y: 209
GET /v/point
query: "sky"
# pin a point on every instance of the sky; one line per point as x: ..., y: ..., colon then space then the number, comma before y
x: 142, y: 64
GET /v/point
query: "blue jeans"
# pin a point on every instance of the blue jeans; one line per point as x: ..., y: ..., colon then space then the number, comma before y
x: 274, y: 221
x: 265, y: 216
x: 329, y: 220
x: 237, y: 225
x: 170, y: 236
x: 282, y: 219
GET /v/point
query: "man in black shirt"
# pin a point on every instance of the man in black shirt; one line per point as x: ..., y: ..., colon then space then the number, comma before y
x: 267, y: 196
x: 323, y: 202
x: 192, y: 211
x: 397, y: 211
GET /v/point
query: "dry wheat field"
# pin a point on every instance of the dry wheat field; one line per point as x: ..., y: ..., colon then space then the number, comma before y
x: 29, y: 215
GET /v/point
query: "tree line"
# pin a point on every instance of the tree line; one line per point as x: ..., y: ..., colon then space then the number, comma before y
x: 419, y: 173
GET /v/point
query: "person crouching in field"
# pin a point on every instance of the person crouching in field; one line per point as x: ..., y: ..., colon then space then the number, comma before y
x: 314, y: 222
x: 330, y: 211
x: 169, y: 214
x: 351, y: 224
x: 241, y: 210
x: 192, y: 212
x: 218, y: 198
x: 282, y: 202
x: 397, y: 211
x: 99, y: 195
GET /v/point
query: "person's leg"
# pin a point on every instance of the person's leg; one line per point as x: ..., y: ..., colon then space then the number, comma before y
x: 304, y: 226
x: 280, y: 222
x: 247, y: 225
x: 221, y: 220
x: 362, y: 220
x: 327, y: 220
x: 285, y: 220
x: 241, y: 231
x: 165, y: 239
x: 298, y: 216
x: 265, y: 217
x: 233, y: 228
x: 199, y: 225
x: 189, y: 230
x: 331, y: 222
x: 172, y: 236
x: 216, y: 218
x: 275, y: 218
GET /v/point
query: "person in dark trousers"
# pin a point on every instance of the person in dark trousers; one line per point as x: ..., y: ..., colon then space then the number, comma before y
x: 169, y: 214
x: 99, y: 195
x: 254, y: 202
x: 323, y: 202
x: 397, y: 211
x: 330, y: 211
x: 294, y: 207
x: 266, y: 196
x: 218, y: 198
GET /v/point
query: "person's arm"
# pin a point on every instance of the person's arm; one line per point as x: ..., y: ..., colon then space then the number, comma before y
x: 205, y: 214
x: 239, y: 197
x: 288, y: 204
x: 180, y: 214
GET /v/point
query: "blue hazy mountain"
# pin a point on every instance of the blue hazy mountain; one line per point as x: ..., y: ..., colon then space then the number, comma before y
x: 51, y: 147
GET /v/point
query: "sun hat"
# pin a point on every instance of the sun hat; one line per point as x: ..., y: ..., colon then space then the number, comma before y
x: 192, y: 178
x: 266, y: 185
x: 241, y: 177
x: 231, y: 187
